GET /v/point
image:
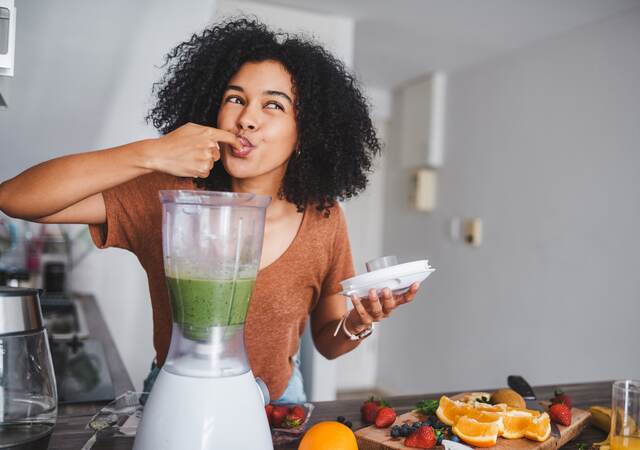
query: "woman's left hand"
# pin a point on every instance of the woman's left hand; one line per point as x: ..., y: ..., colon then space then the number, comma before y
x: 374, y: 308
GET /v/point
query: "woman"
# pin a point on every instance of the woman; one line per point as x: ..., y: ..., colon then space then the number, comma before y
x: 244, y: 109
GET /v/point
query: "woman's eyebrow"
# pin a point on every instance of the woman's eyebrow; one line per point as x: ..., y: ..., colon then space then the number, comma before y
x: 279, y: 94
x: 234, y: 87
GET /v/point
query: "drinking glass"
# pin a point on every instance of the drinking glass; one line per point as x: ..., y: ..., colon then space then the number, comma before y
x: 625, y: 415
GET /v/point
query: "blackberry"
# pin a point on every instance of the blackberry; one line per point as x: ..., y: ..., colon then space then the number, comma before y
x: 341, y: 419
x: 348, y: 424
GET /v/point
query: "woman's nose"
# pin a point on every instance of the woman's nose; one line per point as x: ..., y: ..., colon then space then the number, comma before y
x: 247, y: 121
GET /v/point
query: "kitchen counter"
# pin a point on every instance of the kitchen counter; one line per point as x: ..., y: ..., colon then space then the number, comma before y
x: 73, y: 417
x: 70, y: 434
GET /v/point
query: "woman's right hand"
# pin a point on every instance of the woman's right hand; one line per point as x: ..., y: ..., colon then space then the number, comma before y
x: 189, y: 151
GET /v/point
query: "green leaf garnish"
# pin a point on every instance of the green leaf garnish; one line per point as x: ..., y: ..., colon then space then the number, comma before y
x: 427, y: 407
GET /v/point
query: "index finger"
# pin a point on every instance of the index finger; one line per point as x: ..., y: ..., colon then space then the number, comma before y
x: 225, y: 136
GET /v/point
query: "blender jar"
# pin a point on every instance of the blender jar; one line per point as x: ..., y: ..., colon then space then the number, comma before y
x: 212, y: 243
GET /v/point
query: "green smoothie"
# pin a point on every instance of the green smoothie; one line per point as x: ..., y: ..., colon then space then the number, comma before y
x: 200, y: 304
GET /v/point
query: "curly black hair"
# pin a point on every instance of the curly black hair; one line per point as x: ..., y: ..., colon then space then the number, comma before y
x: 336, y: 137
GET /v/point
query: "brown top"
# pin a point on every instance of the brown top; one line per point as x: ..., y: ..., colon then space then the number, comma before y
x: 286, y: 291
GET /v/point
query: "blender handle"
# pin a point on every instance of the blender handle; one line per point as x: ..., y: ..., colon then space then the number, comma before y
x: 264, y: 390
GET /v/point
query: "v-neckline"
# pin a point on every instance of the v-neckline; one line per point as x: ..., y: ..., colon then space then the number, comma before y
x: 293, y: 243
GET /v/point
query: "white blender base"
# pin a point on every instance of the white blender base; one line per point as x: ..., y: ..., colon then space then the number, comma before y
x: 190, y: 413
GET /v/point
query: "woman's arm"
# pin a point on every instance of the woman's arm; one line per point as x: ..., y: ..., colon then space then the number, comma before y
x: 330, y: 310
x: 70, y: 186
x: 68, y: 189
x: 324, y: 320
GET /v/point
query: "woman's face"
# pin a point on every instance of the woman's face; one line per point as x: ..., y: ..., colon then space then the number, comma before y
x: 258, y: 106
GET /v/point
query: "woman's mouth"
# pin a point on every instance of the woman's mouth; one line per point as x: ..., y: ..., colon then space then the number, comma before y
x: 244, y: 150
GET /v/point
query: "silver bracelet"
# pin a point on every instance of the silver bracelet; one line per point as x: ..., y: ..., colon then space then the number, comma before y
x: 352, y: 337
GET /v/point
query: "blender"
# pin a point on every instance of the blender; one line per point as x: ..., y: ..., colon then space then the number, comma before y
x: 205, y: 396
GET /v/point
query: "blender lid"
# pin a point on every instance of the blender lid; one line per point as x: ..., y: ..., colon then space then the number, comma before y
x: 19, y: 310
x: 398, y: 278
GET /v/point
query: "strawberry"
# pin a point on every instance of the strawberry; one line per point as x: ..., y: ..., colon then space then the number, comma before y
x: 278, y: 415
x: 269, y: 409
x: 369, y: 411
x: 295, y: 417
x: 561, y: 397
x: 560, y: 413
x: 385, y: 417
x: 423, y: 437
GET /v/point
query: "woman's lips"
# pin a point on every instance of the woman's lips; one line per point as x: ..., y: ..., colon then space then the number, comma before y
x: 243, y: 151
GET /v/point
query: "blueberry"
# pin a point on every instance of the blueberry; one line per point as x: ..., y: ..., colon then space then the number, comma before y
x: 348, y: 423
x: 341, y: 419
x: 395, y: 432
x: 428, y: 421
x: 454, y: 438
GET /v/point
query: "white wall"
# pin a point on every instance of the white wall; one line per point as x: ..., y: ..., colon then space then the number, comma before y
x: 357, y: 370
x: 83, y: 80
x: 336, y: 33
x: 542, y: 144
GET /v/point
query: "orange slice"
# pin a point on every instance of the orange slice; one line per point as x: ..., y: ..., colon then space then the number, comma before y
x: 476, y: 433
x: 486, y: 417
x: 533, y: 412
x: 539, y: 429
x: 516, y: 423
x: 449, y: 410
x: 500, y: 407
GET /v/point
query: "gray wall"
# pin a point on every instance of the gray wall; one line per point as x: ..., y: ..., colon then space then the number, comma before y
x: 83, y: 77
x: 542, y: 144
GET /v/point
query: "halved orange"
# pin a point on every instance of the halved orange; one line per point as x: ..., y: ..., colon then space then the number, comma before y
x: 476, y: 433
x: 516, y: 423
x: 449, y: 410
x: 539, y: 429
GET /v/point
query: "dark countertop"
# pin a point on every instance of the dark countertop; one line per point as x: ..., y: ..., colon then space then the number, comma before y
x: 72, y: 418
x: 70, y: 433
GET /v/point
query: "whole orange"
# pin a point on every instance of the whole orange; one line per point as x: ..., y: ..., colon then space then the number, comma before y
x: 328, y: 436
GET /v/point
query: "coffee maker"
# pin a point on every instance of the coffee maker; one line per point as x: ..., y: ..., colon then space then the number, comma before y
x: 205, y: 396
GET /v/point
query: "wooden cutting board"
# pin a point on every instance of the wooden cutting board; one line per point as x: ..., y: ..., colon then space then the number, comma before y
x: 372, y: 438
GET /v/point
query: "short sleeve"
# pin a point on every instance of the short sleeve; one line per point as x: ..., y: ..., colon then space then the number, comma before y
x: 130, y: 207
x: 341, y: 266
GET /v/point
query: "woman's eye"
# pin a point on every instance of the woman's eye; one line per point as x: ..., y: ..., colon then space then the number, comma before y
x: 234, y: 99
x: 274, y: 105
